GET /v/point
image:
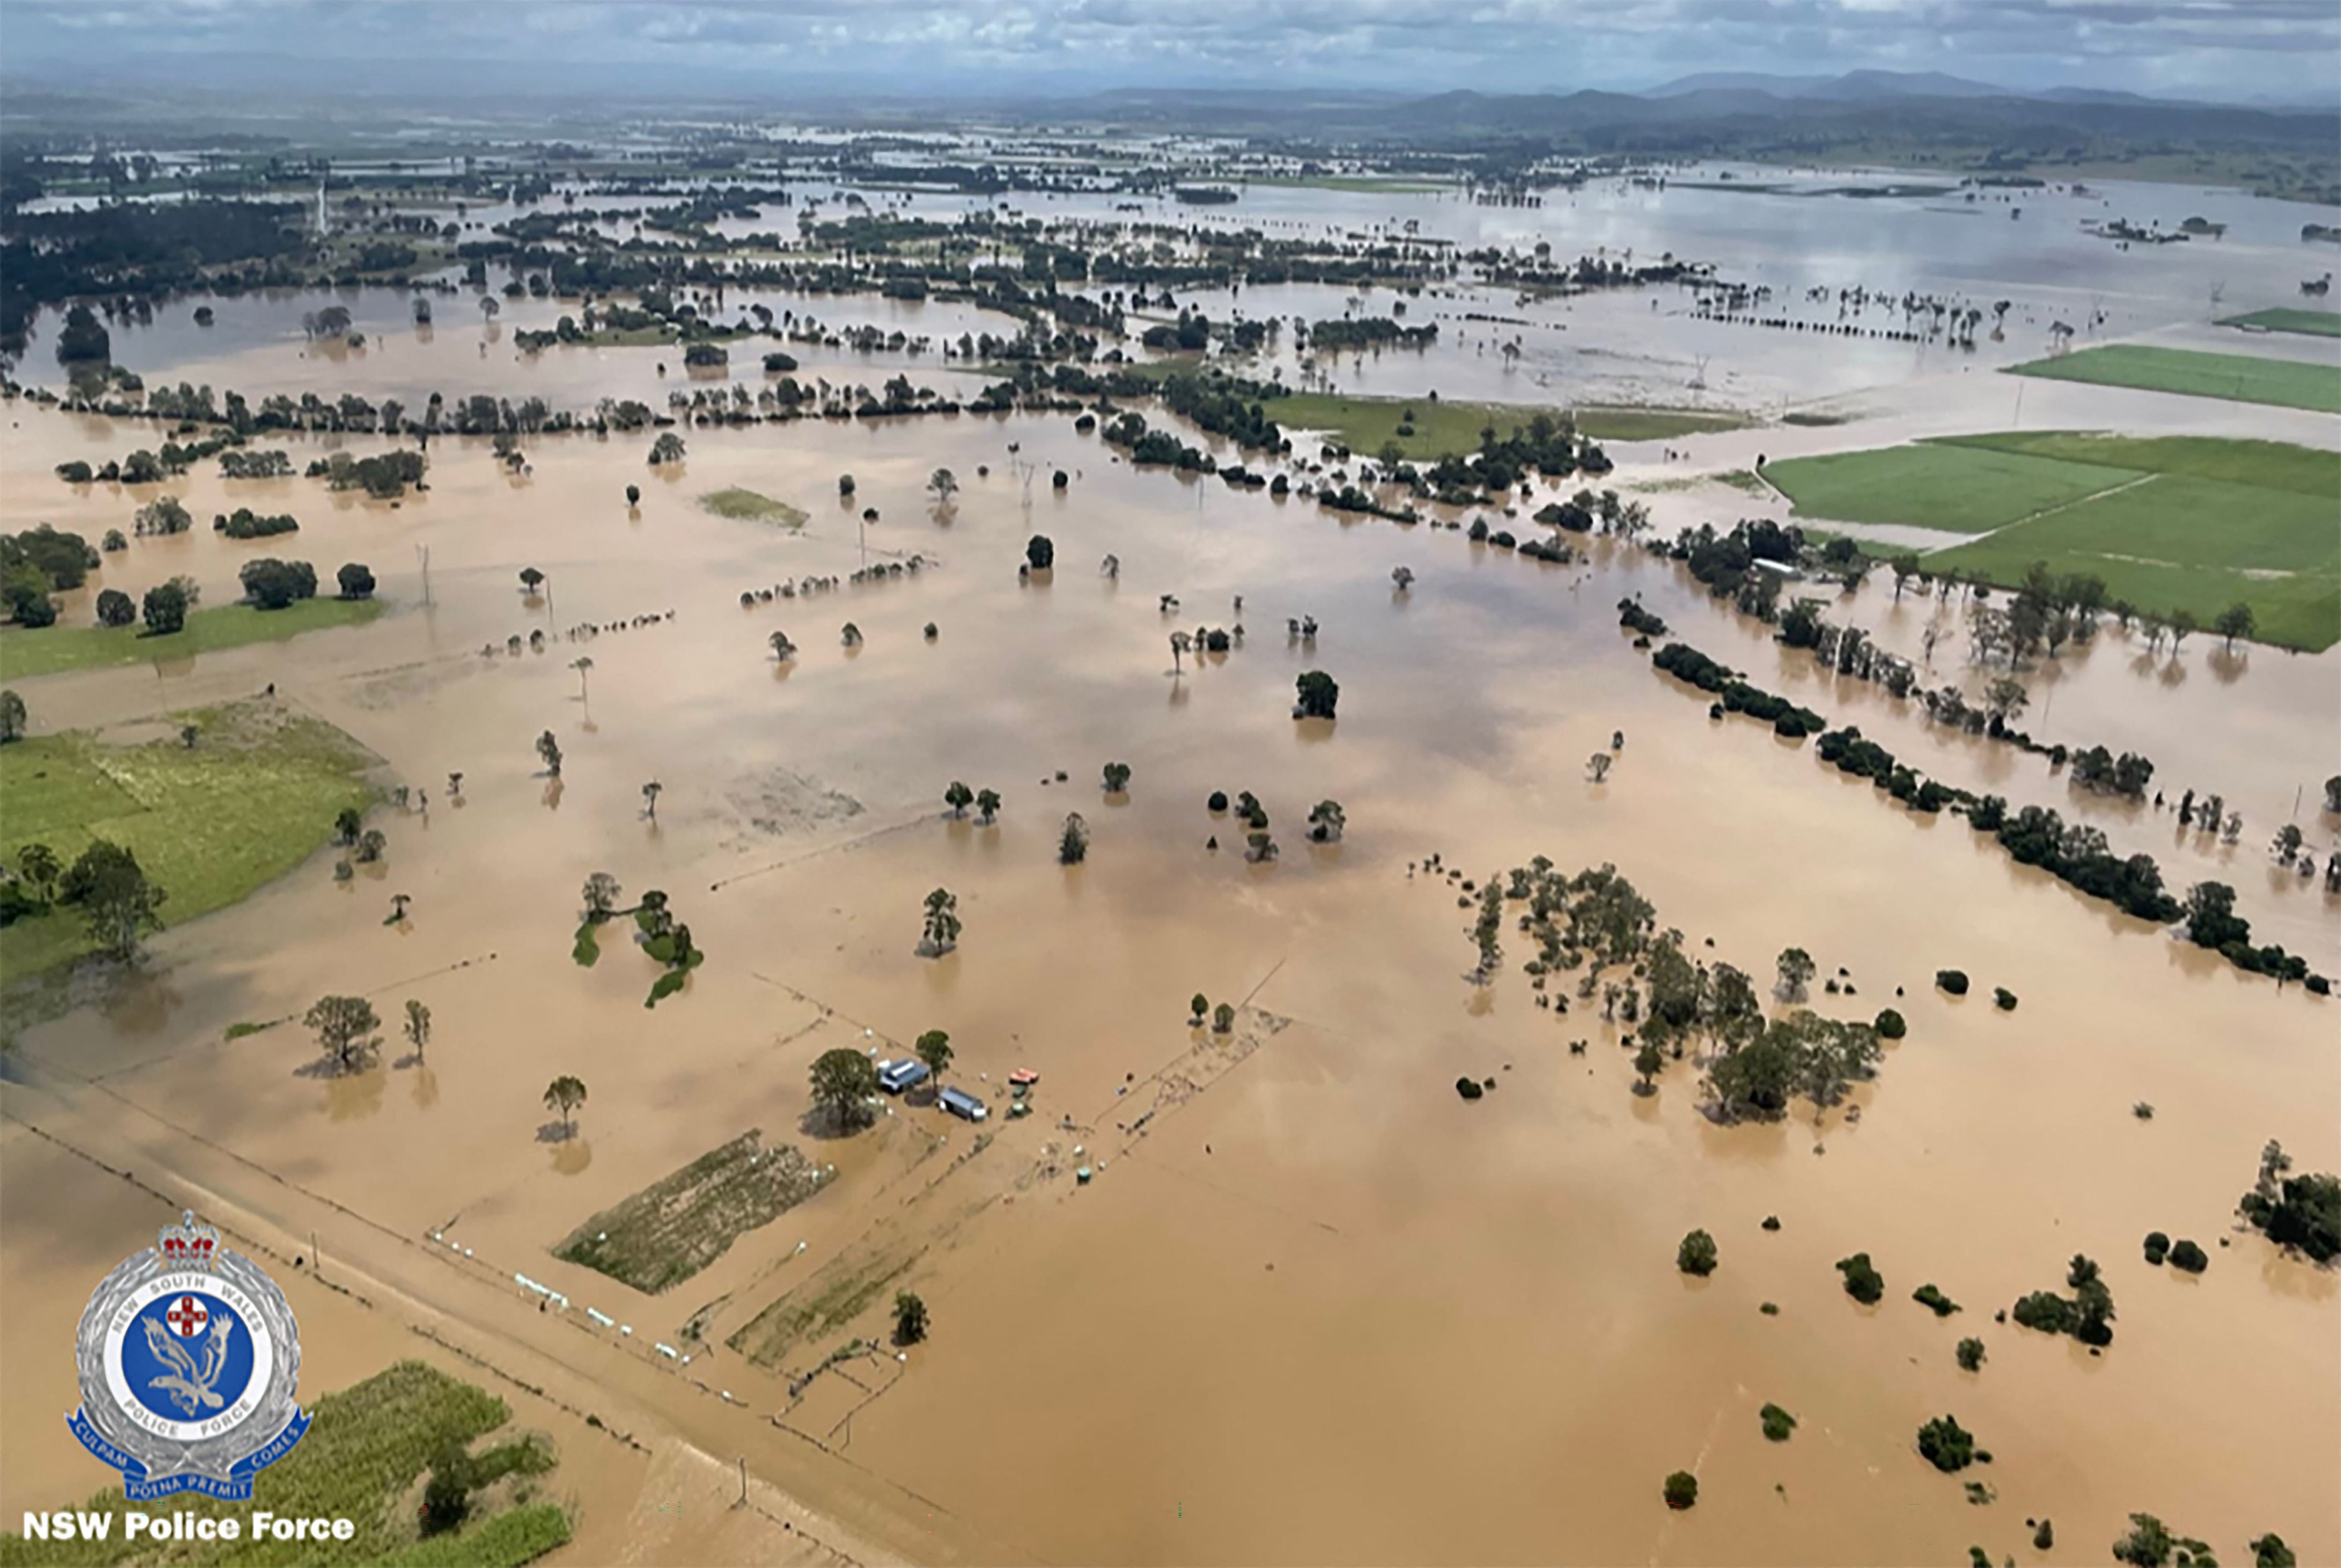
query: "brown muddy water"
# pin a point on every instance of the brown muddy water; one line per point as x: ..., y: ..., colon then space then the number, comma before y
x: 1316, y: 1308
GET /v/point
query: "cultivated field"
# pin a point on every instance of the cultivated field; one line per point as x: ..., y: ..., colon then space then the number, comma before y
x: 2289, y: 318
x: 1956, y: 489
x: 368, y: 1446
x: 2179, y: 523
x: 2234, y: 377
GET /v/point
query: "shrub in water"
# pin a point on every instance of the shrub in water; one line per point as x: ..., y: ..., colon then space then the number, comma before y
x: 1862, y: 1283
x: 1954, y: 980
x: 1946, y: 1444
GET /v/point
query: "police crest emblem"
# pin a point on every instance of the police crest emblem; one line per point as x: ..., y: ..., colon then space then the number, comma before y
x: 189, y: 1363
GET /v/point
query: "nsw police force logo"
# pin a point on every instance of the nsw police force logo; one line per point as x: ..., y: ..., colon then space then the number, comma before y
x: 188, y: 1362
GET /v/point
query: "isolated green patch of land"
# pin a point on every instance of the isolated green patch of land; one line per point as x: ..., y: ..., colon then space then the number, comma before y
x: 2233, y: 377
x: 49, y: 650
x: 255, y: 794
x: 365, y: 1452
x: 752, y: 506
x: 1441, y: 429
x: 2290, y: 318
x: 2170, y: 522
x: 1933, y: 484
x: 676, y: 1227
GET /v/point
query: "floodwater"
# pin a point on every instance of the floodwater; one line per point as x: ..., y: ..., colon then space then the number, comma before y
x: 1319, y: 1309
x: 1631, y: 347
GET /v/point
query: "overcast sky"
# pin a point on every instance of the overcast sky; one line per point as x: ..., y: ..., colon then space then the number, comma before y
x: 2229, y: 49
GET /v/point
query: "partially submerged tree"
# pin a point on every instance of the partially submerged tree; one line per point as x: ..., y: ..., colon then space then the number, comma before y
x: 119, y: 905
x: 346, y: 1029
x: 959, y: 797
x: 548, y: 750
x: 601, y: 895
x: 1696, y: 1255
x: 844, y: 1084
x: 1117, y: 778
x: 987, y: 806
x: 1327, y: 822
x: 934, y: 1049
x: 563, y: 1096
x: 1073, y: 840
x: 941, y: 930
x: 1795, y: 972
x: 418, y: 1025
x: 1317, y: 695
x: 909, y: 1318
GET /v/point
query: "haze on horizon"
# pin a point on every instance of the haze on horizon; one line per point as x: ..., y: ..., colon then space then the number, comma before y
x: 2238, y: 51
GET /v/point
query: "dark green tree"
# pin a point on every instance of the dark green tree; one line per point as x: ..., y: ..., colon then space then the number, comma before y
x: 346, y: 1029
x: 909, y: 1318
x: 563, y: 1096
x: 119, y: 905
x: 1319, y: 694
x: 934, y: 1049
x: 843, y: 1084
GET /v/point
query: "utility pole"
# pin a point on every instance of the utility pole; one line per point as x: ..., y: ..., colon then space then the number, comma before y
x: 422, y: 555
x: 743, y: 1481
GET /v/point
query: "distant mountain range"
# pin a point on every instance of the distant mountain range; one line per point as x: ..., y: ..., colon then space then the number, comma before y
x: 1875, y: 86
x: 1711, y: 114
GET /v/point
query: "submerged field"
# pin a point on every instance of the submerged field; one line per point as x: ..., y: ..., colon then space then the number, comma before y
x: 254, y: 795
x: 1311, y: 1303
x: 2171, y: 524
x: 2234, y: 377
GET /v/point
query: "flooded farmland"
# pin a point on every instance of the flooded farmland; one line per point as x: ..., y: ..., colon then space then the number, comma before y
x: 1303, y: 1303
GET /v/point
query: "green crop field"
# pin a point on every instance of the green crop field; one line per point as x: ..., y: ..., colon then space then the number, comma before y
x: 2286, y: 318
x: 2235, y: 377
x: 1443, y: 428
x: 2170, y: 523
x: 368, y: 1445
x: 246, y: 803
x: 25, y: 653
x: 1956, y: 489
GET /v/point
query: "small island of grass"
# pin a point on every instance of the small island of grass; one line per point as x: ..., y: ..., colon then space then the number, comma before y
x: 752, y: 506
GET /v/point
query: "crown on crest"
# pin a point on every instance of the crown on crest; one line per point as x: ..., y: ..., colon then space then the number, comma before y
x: 187, y: 1244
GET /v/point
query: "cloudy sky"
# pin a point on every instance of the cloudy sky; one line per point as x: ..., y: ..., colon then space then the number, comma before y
x: 2236, y: 50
